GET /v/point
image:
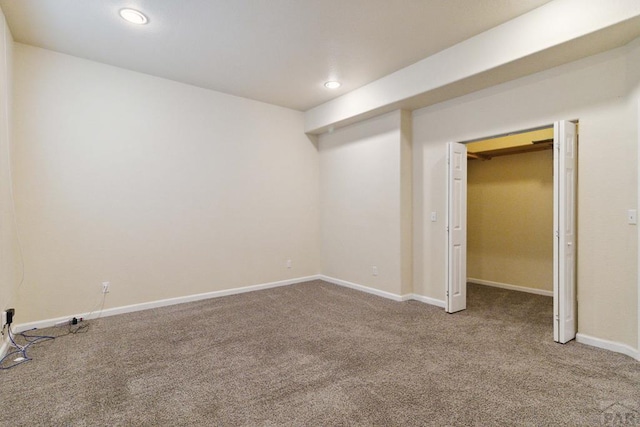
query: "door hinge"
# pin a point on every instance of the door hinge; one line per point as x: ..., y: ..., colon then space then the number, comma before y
x: 557, y: 233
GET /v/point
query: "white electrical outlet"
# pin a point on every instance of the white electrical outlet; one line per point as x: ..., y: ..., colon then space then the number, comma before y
x: 632, y: 216
x: 374, y: 270
x: 105, y: 287
x: 4, y: 319
x: 288, y: 263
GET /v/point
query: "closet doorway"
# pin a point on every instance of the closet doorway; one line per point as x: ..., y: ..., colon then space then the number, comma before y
x: 559, y: 140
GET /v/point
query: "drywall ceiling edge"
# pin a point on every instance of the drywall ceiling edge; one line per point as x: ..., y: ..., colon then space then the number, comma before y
x: 558, y: 24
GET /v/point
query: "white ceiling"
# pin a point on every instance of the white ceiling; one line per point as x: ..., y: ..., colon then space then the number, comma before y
x: 276, y: 51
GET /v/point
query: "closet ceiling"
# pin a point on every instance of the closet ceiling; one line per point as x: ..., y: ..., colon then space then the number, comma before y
x: 524, y: 142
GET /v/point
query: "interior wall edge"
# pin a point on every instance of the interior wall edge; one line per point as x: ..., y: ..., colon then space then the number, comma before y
x: 638, y: 231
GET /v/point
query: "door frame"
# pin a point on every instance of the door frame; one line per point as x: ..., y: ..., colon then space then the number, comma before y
x: 558, y: 297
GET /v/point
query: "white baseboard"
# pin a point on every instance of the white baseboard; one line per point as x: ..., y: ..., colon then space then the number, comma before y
x: 511, y: 287
x: 608, y: 345
x: 384, y: 294
x: 428, y: 300
x: 581, y: 338
x: 163, y: 303
x: 4, y: 346
x: 363, y: 288
x: 216, y: 294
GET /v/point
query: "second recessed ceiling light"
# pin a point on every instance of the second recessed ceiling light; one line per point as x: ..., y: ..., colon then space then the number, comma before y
x: 133, y: 16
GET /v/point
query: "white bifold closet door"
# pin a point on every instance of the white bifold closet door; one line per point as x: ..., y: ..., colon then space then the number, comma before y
x: 456, y: 298
x: 564, y: 224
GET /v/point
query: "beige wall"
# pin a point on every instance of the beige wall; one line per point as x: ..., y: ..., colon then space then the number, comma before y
x: 597, y: 92
x: 161, y: 188
x: 365, y: 211
x: 10, y: 262
x: 510, y: 220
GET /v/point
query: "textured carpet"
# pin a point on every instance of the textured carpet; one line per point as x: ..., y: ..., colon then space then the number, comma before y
x: 319, y: 354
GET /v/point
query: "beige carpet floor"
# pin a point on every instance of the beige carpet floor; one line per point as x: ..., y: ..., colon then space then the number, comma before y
x: 318, y: 354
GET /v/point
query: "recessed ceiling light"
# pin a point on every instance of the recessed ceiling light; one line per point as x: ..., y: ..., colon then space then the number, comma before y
x: 133, y: 16
x: 332, y: 85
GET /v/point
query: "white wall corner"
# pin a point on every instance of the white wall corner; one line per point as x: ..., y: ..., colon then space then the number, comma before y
x: 608, y: 345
